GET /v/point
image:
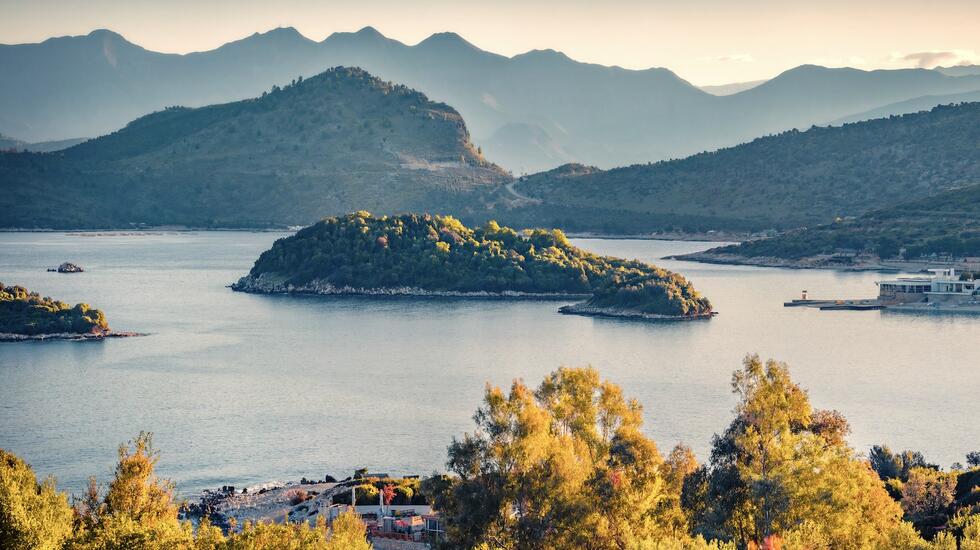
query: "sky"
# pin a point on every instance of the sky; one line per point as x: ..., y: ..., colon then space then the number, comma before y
x: 704, y: 41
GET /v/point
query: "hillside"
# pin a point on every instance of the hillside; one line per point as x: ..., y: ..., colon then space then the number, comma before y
x: 417, y: 254
x: 945, y: 224
x: 8, y: 143
x: 337, y: 142
x: 563, y: 109
x: 783, y: 181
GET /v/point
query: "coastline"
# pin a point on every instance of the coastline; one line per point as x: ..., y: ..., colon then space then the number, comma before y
x: 708, y: 257
x: 269, y: 285
x: 585, y: 309
x: 707, y: 237
x: 68, y: 336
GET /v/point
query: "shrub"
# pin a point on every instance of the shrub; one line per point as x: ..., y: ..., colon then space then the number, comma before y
x: 297, y: 496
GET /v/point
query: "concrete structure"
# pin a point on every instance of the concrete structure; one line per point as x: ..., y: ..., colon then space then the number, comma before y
x: 943, y: 288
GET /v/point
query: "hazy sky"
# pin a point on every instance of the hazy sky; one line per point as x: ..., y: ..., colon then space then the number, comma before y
x: 704, y: 41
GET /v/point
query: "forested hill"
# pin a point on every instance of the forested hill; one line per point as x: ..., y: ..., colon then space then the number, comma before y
x: 337, y: 142
x: 788, y: 180
x: 945, y: 224
x: 361, y: 253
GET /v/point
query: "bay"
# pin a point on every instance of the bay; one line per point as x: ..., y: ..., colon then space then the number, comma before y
x: 241, y: 389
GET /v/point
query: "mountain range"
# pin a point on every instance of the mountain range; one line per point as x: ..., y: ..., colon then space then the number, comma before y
x: 334, y: 143
x: 528, y: 112
x: 789, y: 180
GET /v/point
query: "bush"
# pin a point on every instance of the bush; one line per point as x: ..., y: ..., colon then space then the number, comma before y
x: 297, y: 496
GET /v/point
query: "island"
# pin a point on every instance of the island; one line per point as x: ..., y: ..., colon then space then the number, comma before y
x: 66, y: 267
x: 26, y: 315
x: 431, y: 255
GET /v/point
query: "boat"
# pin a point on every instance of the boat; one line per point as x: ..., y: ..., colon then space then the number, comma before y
x: 941, y: 290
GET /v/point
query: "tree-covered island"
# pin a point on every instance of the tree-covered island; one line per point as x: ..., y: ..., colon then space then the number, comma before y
x: 26, y: 315
x: 422, y: 254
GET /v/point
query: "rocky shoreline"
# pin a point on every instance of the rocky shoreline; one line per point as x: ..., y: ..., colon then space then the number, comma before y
x: 594, y: 311
x: 708, y: 257
x: 859, y: 263
x: 272, y: 285
x: 708, y: 236
x: 72, y: 336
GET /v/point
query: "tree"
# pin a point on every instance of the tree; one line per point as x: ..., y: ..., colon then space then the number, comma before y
x: 927, y: 497
x: 781, y: 469
x: 973, y: 459
x: 138, y: 510
x: 348, y: 533
x: 32, y: 515
x: 560, y: 467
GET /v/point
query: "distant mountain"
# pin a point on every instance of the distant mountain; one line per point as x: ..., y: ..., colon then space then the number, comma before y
x: 959, y: 70
x: 340, y: 141
x: 733, y: 88
x: 561, y: 109
x: 8, y: 143
x: 914, y: 105
x: 782, y: 181
x: 527, y: 148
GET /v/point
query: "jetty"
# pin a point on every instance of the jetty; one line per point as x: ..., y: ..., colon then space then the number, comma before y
x: 832, y: 305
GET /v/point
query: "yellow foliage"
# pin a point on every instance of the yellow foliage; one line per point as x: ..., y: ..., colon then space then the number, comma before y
x: 32, y: 515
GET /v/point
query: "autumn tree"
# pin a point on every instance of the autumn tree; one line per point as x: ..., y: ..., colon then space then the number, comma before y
x: 782, y: 469
x: 564, y: 466
x: 138, y: 510
x: 32, y: 515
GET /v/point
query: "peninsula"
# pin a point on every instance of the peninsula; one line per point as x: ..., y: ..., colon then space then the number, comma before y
x: 938, y: 230
x: 426, y: 255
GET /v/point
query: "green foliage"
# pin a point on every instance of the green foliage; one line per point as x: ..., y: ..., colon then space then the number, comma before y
x: 659, y: 293
x: 407, y: 491
x: 439, y: 253
x: 25, y: 312
x: 287, y: 158
x: 139, y: 511
x: 945, y: 224
x: 792, y: 179
x: 32, y: 515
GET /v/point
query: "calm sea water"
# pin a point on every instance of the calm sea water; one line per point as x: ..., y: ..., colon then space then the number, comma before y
x: 242, y: 388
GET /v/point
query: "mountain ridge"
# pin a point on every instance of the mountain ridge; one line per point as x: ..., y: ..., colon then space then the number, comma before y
x: 785, y: 180
x: 600, y: 115
x: 340, y: 141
